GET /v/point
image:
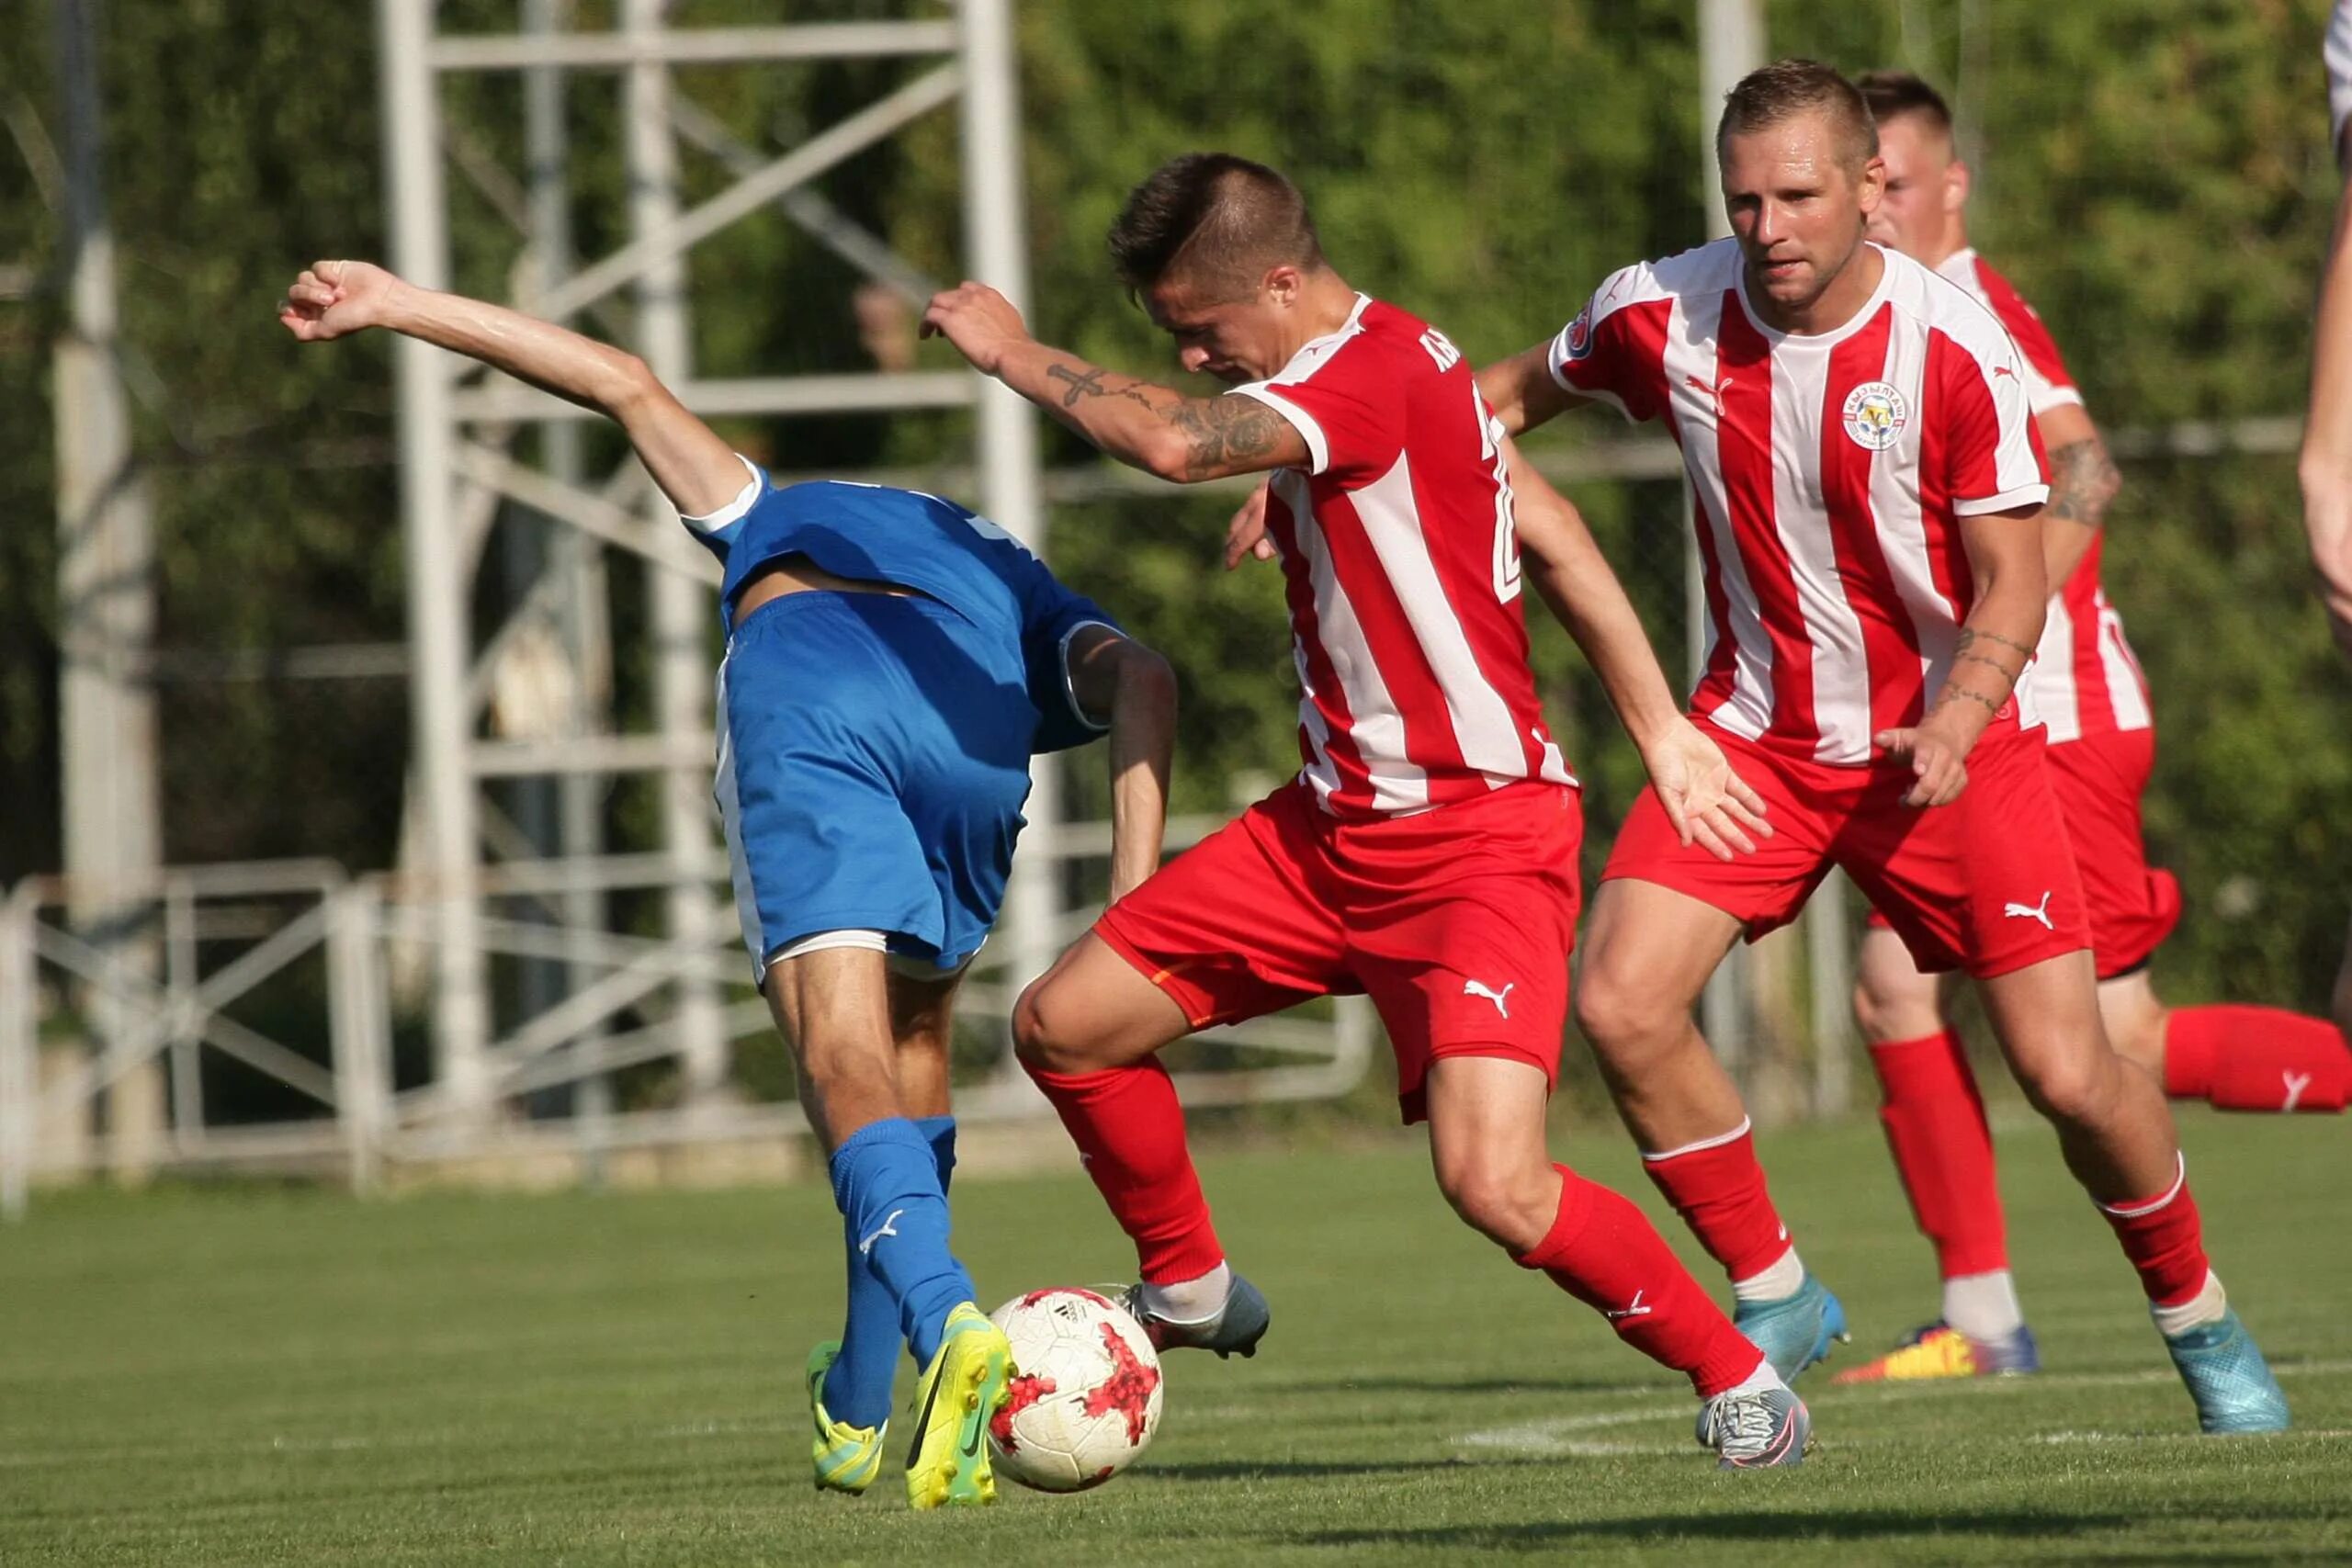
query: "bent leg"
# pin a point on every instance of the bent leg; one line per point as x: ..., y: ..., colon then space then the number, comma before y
x: 1934, y: 1117
x: 2114, y: 1127
x: 1087, y: 1031
x: 833, y: 1008
x: 1486, y: 1143
x: 1931, y: 1108
x: 1648, y: 951
x: 857, y: 1383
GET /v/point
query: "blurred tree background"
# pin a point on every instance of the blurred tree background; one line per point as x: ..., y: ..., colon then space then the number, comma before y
x: 2153, y: 173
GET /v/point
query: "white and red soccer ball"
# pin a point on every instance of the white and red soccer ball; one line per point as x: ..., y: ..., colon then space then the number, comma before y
x: 1085, y: 1394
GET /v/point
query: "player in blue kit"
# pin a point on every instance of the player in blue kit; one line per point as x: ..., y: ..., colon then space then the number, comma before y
x: 892, y: 664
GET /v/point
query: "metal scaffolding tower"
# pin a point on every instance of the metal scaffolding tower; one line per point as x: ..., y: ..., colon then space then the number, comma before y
x: 460, y: 462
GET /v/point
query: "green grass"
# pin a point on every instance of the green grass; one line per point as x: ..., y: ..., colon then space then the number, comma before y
x: 242, y: 1376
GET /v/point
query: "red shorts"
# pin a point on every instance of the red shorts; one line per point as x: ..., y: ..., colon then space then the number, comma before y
x: 1457, y: 922
x: 1986, y: 885
x: 2099, y: 780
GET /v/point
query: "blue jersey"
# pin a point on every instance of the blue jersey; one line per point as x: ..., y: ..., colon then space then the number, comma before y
x: 967, y: 563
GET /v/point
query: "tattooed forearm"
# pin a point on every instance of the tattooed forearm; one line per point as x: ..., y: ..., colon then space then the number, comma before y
x: 1979, y: 646
x: 1995, y: 665
x: 1226, y: 433
x: 1157, y: 428
x: 1951, y: 695
x: 1096, y: 382
x: 1971, y: 636
x: 2082, y: 480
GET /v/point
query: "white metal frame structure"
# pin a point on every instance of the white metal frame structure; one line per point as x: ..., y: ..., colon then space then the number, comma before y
x: 455, y: 426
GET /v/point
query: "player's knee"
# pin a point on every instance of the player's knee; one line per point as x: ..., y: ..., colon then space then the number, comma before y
x: 1623, y: 1020
x: 1045, y: 1032
x: 1880, y: 1015
x: 1506, y: 1205
x: 2069, y: 1086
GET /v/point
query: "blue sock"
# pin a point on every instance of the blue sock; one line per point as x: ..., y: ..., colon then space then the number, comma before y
x: 857, y: 1386
x: 886, y: 1181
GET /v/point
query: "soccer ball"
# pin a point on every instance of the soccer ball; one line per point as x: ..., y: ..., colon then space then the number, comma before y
x: 1085, y: 1394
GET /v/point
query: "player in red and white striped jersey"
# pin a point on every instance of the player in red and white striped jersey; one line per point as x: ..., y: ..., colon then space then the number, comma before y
x: 1859, y: 439
x: 2325, y: 468
x: 2094, y: 704
x: 1426, y: 854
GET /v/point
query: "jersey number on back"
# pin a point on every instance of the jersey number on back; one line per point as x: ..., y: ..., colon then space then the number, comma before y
x: 1491, y: 446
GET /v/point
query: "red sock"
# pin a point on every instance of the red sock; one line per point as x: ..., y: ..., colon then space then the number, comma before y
x: 1601, y: 1251
x: 2165, y: 1240
x: 1130, y: 1131
x: 2246, y: 1059
x: 1718, y: 1188
x: 1934, y: 1119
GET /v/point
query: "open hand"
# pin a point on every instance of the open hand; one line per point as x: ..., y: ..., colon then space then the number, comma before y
x: 1246, y: 535
x: 1709, y: 805
x: 978, y: 320
x: 1940, y: 764
x: 335, y: 298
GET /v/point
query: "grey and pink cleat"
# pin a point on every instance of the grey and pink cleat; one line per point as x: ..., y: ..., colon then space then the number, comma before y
x: 1758, y: 1430
x: 1234, y: 1330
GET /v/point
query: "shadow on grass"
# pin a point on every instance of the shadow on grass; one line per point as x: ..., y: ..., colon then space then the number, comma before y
x: 1294, y: 1469
x: 1856, y: 1524
x: 1449, y: 1387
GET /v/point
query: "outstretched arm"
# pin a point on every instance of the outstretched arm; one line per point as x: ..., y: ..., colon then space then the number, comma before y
x: 2326, y: 468
x: 1155, y: 428
x: 1708, y: 804
x: 1523, y: 390
x: 1116, y: 679
x: 697, y: 471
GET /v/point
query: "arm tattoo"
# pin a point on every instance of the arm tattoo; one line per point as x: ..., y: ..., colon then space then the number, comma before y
x: 1993, y: 664
x: 1956, y: 693
x: 1226, y: 433
x: 1222, y: 434
x: 1971, y: 636
x: 2082, y: 480
x: 1091, y: 383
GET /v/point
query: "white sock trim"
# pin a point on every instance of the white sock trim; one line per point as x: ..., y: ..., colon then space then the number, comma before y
x: 2136, y: 1211
x: 1702, y: 1145
x: 1776, y: 1281
x: 1197, y: 1300
x: 2207, y: 1305
x: 1984, y: 1306
x: 1763, y: 1380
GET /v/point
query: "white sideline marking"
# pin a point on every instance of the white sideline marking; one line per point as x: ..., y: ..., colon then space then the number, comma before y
x: 1552, y: 1434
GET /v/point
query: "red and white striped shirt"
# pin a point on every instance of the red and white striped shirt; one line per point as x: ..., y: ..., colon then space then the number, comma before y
x: 2084, y: 679
x: 1401, y: 562
x: 1829, y: 474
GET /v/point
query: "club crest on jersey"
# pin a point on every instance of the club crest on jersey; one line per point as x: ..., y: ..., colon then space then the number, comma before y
x: 1579, y: 335
x: 1875, y: 414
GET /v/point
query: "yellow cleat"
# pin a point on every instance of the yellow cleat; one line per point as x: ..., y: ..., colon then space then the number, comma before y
x: 847, y: 1458
x: 965, y: 1384
x: 1940, y: 1351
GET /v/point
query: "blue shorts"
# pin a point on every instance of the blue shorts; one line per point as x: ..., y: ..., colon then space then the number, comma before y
x: 873, y: 759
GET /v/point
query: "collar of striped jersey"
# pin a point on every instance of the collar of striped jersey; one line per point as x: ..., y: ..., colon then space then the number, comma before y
x: 1960, y: 266
x: 1315, y: 348
x: 1838, y: 333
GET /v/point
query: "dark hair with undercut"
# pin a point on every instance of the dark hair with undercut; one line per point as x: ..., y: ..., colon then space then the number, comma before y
x: 1218, y: 220
x: 1892, y: 93
x: 1772, y: 94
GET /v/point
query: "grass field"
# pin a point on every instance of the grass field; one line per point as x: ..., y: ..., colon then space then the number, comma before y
x: 241, y: 1376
